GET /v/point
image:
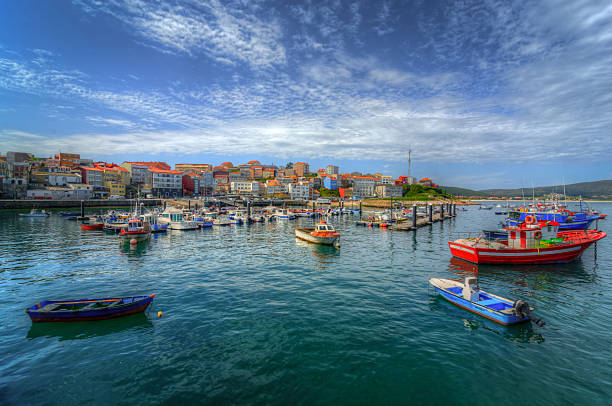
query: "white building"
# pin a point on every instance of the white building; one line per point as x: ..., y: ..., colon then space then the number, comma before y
x: 246, y: 188
x: 63, y: 179
x: 332, y: 170
x: 166, y: 182
x: 300, y: 191
x: 389, y: 191
x: 386, y: 180
x: 363, y: 186
x: 74, y: 191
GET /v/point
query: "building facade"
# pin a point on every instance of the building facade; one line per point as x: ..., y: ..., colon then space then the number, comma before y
x: 300, y: 191
x: 384, y: 191
x: 301, y: 169
x: 332, y: 170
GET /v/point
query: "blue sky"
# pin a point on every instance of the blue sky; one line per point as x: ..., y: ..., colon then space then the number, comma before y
x: 489, y: 94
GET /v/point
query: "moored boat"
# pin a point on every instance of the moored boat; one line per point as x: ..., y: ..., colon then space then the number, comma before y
x: 137, y: 230
x: 92, y: 226
x: 35, y: 213
x: 88, y: 309
x: 527, y: 243
x: 469, y: 297
x: 322, y: 233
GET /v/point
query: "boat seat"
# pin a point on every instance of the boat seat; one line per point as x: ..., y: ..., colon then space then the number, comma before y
x: 49, y: 308
x: 117, y: 303
x: 488, y: 302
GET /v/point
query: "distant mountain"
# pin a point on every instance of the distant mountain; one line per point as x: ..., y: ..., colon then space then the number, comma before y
x: 601, y: 189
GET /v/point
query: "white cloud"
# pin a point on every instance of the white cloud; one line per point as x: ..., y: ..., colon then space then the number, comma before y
x: 226, y: 34
x: 531, y: 89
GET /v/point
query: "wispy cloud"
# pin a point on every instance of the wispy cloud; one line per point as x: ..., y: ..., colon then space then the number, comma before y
x: 504, y: 85
x: 225, y: 33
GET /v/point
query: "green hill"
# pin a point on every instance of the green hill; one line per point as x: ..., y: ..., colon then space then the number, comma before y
x: 598, y: 190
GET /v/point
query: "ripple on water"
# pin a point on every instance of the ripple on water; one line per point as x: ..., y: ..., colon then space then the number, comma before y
x: 254, y: 316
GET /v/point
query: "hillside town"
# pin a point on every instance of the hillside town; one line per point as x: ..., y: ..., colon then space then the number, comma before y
x: 67, y: 176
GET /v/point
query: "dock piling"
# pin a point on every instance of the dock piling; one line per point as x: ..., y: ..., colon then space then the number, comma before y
x: 82, y: 208
x: 430, y: 212
x: 414, y: 215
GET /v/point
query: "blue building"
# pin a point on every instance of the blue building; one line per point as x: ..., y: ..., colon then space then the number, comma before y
x: 330, y: 183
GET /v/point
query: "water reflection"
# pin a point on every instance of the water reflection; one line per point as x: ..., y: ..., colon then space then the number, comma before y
x: 520, y: 333
x: 88, y: 329
x: 135, y: 250
x: 322, y: 253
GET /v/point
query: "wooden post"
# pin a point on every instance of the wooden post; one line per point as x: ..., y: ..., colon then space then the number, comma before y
x: 414, y: 215
x: 360, y: 209
x: 442, y: 211
x: 248, y: 210
x: 430, y: 213
x: 82, y: 208
x: 188, y: 204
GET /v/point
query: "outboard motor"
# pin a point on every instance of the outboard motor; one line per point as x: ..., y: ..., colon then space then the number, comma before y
x: 471, y: 290
x: 521, y: 310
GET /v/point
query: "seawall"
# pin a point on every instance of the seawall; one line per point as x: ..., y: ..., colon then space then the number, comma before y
x: 61, y: 204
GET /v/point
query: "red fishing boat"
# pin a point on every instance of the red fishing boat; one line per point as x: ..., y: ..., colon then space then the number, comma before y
x: 92, y: 226
x: 137, y: 230
x: 531, y: 242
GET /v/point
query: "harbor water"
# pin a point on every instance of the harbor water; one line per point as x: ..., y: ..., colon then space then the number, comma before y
x: 252, y: 316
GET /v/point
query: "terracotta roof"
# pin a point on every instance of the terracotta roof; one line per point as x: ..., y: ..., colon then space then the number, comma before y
x: 425, y: 180
x: 89, y: 168
x: 168, y: 171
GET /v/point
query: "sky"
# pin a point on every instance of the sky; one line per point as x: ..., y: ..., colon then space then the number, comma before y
x: 485, y: 94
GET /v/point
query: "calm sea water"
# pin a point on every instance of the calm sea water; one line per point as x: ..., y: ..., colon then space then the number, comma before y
x: 252, y: 316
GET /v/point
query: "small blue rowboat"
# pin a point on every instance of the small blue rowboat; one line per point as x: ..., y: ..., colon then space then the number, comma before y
x: 88, y: 309
x: 496, y: 308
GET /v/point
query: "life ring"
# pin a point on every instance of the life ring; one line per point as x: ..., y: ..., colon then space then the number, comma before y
x: 537, y: 235
x: 529, y: 219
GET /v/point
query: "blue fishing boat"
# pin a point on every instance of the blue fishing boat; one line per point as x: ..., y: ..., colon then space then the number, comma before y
x: 88, y: 309
x: 469, y: 297
x: 567, y: 220
x: 495, y: 235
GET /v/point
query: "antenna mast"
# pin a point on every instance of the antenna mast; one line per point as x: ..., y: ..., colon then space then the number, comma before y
x: 409, y: 163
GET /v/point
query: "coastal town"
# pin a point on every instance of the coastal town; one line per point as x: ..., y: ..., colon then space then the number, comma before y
x: 68, y: 176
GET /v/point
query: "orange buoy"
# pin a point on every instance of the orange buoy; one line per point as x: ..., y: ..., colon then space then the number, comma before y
x: 529, y: 219
x: 159, y: 314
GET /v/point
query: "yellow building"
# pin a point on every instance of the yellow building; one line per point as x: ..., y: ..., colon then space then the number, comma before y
x: 115, y: 188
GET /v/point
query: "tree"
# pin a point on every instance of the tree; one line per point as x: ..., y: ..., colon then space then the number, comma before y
x: 289, y: 165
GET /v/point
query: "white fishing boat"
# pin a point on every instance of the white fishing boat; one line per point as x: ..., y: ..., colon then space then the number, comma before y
x: 35, y: 213
x: 323, y: 233
x: 177, y: 220
x: 221, y: 221
x: 284, y: 214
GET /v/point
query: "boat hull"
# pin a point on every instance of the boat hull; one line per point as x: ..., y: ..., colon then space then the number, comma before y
x: 305, y: 234
x: 138, y: 304
x: 138, y: 236
x: 563, y: 253
x: 90, y: 227
x: 480, y: 309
